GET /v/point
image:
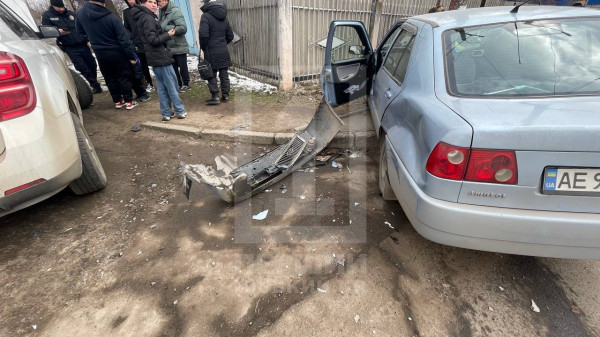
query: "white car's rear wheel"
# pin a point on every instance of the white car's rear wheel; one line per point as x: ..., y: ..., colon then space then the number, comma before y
x: 84, y: 92
x: 92, y: 177
x: 384, y: 183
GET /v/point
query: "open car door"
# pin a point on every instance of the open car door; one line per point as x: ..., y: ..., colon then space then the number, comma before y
x: 347, y: 56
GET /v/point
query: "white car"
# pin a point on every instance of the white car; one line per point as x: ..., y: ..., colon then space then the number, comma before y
x: 43, y: 144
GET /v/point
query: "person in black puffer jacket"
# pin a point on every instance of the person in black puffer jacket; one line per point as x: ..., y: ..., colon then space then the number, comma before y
x: 215, y: 34
x: 159, y: 57
x: 72, y: 42
x: 113, y: 49
x: 136, y: 38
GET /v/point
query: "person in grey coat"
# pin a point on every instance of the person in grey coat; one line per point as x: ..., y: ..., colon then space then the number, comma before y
x: 215, y: 34
x: 172, y: 17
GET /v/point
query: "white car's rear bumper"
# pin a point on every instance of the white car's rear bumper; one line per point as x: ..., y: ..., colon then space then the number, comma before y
x: 38, y: 146
x: 505, y: 230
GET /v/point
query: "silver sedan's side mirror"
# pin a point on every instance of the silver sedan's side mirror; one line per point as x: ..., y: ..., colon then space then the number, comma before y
x: 356, y: 50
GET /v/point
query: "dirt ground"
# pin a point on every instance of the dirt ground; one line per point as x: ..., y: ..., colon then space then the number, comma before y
x: 330, y: 259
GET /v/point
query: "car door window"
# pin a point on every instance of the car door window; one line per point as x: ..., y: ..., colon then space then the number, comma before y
x: 396, y: 55
x: 16, y: 25
x: 385, y: 47
x: 347, y: 45
x: 400, y: 72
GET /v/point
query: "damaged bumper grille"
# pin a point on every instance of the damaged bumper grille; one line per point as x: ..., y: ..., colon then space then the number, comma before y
x: 233, y: 183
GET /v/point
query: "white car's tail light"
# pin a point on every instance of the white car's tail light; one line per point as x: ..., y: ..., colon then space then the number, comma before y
x: 459, y: 163
x: 17, y: 93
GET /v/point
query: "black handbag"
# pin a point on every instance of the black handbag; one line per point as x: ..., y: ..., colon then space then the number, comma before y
x: 205, y: 69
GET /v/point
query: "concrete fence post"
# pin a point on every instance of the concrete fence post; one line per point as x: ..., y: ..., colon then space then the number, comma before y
x: 286, y: 45
x: 375, y: 22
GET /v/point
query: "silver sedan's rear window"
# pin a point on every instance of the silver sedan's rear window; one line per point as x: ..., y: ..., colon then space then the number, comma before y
x: 525, y: 58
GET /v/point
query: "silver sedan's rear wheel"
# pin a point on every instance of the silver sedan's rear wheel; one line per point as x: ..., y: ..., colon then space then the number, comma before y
x: 92, y: 177
x: 384, y: 183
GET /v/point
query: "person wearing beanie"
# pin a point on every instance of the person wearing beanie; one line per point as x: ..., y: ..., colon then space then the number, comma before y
x: 72, y: 42
x: 171, y: 17
x: 215, y: 34
x: 114, y: 50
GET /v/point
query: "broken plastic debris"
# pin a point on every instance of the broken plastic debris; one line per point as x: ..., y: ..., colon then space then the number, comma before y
x: 490, y: 308
x: 321, y: 290
x: 175, y: 302
x: 534, y: 307
x: 213, y: 263
x: 34, y: 327
x: 153, y: 283
x: 356, y: 204
x: 410, y: 318
x: 389, y: 224
x: 356, y: 318
x: 501, y: 289
x: 354, y: 155
x: 139, y: 252
x: 302, y: 197
x: 261, y: 216
x: 261, y: 173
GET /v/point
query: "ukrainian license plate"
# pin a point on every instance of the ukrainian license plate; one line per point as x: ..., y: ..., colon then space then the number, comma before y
x: 572, y: 181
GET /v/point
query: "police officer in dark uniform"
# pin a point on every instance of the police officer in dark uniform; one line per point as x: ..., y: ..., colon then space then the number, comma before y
x: 72, y: 42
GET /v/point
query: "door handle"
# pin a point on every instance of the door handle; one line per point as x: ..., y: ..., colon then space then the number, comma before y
x: 388, y: 93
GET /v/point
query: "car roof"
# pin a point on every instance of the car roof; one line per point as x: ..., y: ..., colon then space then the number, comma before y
x: 487, y: 15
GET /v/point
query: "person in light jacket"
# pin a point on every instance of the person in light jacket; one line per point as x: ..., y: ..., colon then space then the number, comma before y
x: 171, y: 17
x: 215, y: 34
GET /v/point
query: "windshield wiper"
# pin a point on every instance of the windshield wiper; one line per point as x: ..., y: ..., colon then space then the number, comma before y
x: 585, y: 85
x: 518, y: 87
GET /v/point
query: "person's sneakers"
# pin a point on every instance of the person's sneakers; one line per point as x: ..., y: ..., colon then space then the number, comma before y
x: 120, y: 104
x: 214, y: 100
x: 184, y: 88
x: 182, y: 116
x: 225, y: 99
x: 131, y: 105
x: 97, y: 90
x: 143, y: 98
x: 150, y: 88
x: 168, y: 118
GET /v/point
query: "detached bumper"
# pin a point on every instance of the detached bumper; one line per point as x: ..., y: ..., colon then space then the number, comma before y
x: 504, y: 230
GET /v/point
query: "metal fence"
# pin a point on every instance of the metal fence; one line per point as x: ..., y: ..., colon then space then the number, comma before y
x: 257, y: 23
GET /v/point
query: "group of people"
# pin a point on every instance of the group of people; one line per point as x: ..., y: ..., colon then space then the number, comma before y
x: 125, y: 49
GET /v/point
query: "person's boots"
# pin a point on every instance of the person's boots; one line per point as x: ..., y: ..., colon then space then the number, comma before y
x: 214, y: 100
x: 225, y: 98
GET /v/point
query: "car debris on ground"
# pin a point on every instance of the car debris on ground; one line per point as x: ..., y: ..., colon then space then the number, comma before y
x: 234, y: 183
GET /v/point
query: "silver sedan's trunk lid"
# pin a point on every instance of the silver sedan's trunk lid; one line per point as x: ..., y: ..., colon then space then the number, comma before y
x: 556, y: 140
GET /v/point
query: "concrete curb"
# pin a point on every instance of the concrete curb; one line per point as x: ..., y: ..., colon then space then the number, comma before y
x: 343, y: 140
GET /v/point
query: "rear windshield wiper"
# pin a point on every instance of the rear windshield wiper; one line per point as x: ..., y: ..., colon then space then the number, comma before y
x: 518, y: 87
